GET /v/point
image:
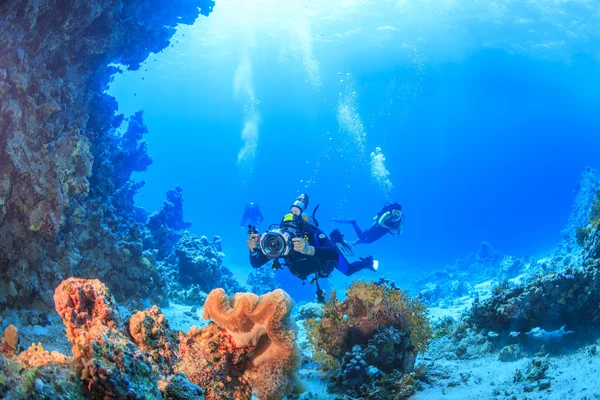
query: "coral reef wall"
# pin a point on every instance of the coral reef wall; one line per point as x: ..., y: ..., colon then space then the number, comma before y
x: 66, y: 203
x: 585, y: 193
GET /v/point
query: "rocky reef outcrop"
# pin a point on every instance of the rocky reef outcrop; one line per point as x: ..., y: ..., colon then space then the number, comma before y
x: 200, y: 264
x: 568, y: 298
x: 249, y: 348
x: 549, y: 302
x: 65, y: 191
x: 165, y: 225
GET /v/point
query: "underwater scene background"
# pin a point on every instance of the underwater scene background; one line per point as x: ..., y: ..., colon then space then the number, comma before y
x: 132, y: 135
x: 484, y: 132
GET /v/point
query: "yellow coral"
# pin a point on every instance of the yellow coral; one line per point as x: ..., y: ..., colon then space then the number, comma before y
x: 396, y: 303
x: 324, y: 333
x: 367, y: 307
x: 36, y: 356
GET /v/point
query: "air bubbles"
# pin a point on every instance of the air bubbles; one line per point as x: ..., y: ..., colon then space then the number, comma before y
x: 341, y: 81
x: 348, y: 74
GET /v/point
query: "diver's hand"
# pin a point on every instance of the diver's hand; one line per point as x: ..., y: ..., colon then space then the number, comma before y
x: 252, y: 241
x: 302, y: 247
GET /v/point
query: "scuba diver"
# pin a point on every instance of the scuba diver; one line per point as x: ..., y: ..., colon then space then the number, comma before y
x: 304, y: 248
x: 251, y: 215
x: 388, y: 220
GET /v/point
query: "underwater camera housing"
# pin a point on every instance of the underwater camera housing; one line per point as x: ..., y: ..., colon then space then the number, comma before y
x: 277, y: 241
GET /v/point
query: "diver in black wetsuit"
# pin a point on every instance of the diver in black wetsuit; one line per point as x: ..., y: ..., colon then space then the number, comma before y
x: 304, y: 248
x: 252, y: 215
x: 388, y: 220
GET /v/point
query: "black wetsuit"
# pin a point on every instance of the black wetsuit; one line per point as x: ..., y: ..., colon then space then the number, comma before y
x: 374, y: 232
x: 252, y: 215
x: 371, y: 234
x: 321, y: 263
x: 345, y: 251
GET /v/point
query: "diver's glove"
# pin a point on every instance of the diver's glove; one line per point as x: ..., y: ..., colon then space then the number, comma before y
x: 252, y: 242
x: 302, y: 247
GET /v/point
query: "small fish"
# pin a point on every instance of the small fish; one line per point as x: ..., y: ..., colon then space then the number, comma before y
x: 541, y: 334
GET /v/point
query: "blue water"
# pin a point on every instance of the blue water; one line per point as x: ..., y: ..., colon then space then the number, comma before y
x: 481, y: 142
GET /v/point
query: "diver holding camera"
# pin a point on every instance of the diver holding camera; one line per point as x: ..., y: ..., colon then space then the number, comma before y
x: 304, y: 248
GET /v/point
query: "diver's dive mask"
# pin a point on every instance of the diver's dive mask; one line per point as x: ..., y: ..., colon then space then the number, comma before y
x: 396, y: 215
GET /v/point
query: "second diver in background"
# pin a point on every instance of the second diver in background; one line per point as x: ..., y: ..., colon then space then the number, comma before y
x: 388, y: 220
x: 251, y: 215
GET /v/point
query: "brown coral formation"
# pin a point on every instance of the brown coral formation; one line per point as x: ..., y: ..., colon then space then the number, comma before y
x: 83, y: 304
x: 111, y: 365
x: 210, y: 359
x: 150, y: 331
x: 115, y: 368
x: 263, y: 324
